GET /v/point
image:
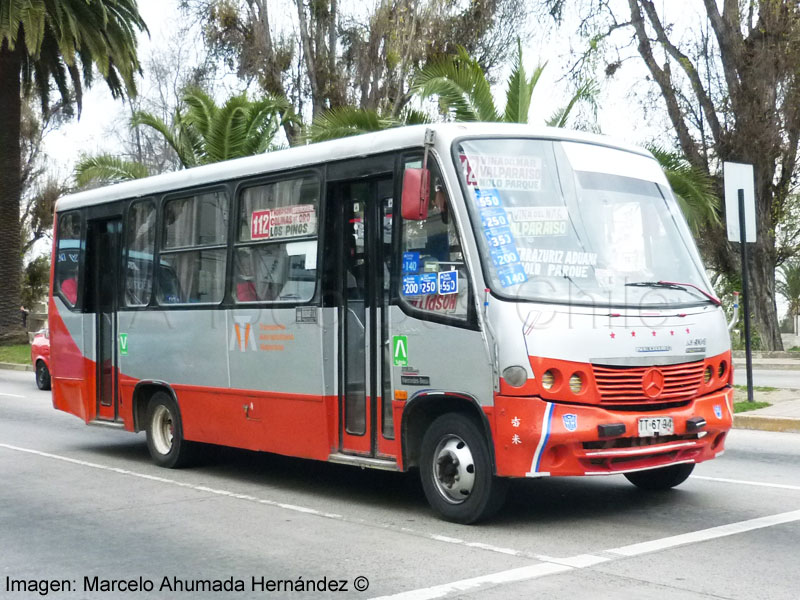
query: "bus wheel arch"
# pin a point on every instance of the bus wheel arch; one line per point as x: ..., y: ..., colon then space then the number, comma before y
x: 156, y: 410
x: 449, y: 439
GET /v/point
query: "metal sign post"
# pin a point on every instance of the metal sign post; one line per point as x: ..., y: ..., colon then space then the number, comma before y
x: 740, y: 194
x: 745, y: 297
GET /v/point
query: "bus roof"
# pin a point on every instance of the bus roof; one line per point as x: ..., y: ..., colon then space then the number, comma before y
x: 340, y: 149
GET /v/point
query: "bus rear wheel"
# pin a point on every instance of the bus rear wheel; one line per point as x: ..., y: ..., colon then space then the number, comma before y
x: 165, y: 433
x: 456, y: 470
x: 661, y: 479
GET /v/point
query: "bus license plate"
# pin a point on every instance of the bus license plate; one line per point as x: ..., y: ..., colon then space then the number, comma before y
x: 656, y: 426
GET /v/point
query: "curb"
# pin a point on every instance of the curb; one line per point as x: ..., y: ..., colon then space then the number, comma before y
x: 737, y: 364
x: 765, y: 423
x: 15, y: 367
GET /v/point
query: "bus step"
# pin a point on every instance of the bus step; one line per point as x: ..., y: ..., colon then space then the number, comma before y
x: 363, y: 461
x: 105, y: 423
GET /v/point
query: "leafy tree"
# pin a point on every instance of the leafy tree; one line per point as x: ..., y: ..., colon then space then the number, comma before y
x: 731, y: 91
x: 44, y: 42
x: 200, y: 133
x: 35, y: 281
x: 321, y: 57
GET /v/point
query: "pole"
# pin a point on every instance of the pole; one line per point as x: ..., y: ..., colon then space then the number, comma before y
x: 745, y: 297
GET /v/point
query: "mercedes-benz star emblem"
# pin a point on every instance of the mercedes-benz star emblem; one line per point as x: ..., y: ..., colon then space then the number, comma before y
x: 653, y: 383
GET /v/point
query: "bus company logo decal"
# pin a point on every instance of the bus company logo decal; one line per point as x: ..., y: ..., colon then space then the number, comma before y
x: 718, y: 411
x: 570, y: 421
x: 653, y: 383
x: 242, y: 337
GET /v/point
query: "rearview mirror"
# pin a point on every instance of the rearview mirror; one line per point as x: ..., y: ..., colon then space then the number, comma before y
x: 416, y: 194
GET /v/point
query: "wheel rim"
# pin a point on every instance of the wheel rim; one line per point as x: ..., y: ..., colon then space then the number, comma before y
x: 40, y: 374
x: 163, y: 429
x: 453, y: 469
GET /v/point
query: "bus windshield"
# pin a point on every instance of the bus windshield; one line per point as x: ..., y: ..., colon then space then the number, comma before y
x: 577, y: 223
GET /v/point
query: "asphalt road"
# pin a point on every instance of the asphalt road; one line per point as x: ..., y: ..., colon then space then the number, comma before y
x: 785, y: 378
x: 85, y: 507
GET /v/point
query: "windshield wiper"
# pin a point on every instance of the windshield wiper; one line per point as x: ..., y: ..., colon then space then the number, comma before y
x: 674, y: 285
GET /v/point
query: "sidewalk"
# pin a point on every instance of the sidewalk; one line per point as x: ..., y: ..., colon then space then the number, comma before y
x: 783, y: 415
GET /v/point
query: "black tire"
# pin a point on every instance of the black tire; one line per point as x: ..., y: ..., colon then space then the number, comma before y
x: 165, y: 433
x: 661, y: 479
x: 456, y: 470
x: 42, y: 376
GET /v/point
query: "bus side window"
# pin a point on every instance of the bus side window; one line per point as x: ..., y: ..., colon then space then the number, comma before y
x: 193, y: 255
x: 140, y: 239
x: 434, y: 274
x: 68, y: 253
x: 275, y: 259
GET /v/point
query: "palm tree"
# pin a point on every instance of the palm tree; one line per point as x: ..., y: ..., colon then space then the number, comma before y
x: 44, y: 42
x: 199, y: 134
x: 693, y: 188
x: 464, y: 93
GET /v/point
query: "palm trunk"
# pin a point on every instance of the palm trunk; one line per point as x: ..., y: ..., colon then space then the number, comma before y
x: 10, y: 189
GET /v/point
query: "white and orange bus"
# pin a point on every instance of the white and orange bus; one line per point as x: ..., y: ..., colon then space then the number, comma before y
x: 480, y: 301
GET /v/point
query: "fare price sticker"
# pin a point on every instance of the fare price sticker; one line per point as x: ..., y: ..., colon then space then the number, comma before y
x: 448, y: 282
x: 420, y: 285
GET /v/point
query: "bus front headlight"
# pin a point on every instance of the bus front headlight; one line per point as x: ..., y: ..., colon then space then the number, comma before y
x: 515, y: 376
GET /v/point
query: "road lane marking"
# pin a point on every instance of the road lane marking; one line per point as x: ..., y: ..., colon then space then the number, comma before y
x: 198, y: 488
x: 11, y: 395
x: 292, y: 507
x: 552, y: 566
x: 547, y: 566
x: 780, y: 486
x: 704, y: 535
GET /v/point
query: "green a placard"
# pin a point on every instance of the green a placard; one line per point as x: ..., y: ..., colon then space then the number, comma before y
x: 400, y: 351
x: 123, y: 344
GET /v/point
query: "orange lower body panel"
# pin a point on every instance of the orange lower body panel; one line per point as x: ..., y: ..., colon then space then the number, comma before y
x: 536, y: 438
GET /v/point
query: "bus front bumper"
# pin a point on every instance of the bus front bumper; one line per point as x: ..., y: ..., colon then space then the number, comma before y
x: 536, y: 438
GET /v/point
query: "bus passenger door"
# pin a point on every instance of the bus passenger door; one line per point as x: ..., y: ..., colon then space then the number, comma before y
x: 364, y: 217
x: 103, y: 258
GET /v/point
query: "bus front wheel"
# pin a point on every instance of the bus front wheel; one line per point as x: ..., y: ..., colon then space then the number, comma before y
x: 661, y: 479
x: 456, y: 470
x: 165, y: 433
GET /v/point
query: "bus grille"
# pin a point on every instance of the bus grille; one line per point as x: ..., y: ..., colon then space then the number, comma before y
x: 622, y: 385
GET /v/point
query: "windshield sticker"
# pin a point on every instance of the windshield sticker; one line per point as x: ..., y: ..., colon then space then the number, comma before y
x: 503, y: 172
x: 283, y: 222
x: 494, y: 217
x: 536, y: 221
x: 498, y: 236
x: 420, y: 285
x: 504, y: 255
x: 487, y: 198
x: 512, y: 275
x: 448, y: 282
x: 557, y: 263
x: 410, y: 262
